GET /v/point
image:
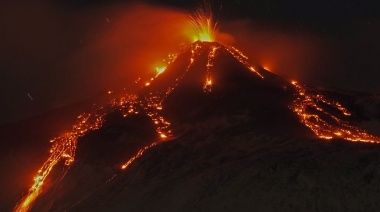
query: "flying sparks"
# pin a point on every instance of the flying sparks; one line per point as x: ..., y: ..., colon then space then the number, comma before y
x: 204, y: 24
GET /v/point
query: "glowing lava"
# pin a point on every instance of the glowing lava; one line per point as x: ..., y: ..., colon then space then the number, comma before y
x: 308, y: 106
x: 64, y: 147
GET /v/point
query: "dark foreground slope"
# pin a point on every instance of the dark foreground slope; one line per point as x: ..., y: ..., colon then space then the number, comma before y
x: 238, y: 148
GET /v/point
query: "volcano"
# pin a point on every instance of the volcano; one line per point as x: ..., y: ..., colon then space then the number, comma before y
x: 213, y: 133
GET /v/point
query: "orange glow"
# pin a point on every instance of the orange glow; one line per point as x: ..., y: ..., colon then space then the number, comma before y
x: 204, y: 25
x: 307, y: 107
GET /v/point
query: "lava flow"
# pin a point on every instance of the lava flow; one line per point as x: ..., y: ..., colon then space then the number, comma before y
x: 306, y: 105
x: 64, y: 147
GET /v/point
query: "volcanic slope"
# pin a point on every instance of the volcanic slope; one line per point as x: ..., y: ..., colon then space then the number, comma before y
x: 217, y: 83
x: 231, y: 142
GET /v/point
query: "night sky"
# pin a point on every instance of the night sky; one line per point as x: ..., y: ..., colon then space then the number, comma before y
x: 56, y: 53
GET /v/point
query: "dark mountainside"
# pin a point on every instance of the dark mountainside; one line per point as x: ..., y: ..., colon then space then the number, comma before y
x: 238, y: 148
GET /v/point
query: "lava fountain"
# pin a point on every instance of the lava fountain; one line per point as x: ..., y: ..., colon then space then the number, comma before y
x: 204, y: 24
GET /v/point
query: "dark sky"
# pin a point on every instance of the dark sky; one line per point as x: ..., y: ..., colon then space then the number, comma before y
x: 61, y: 52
